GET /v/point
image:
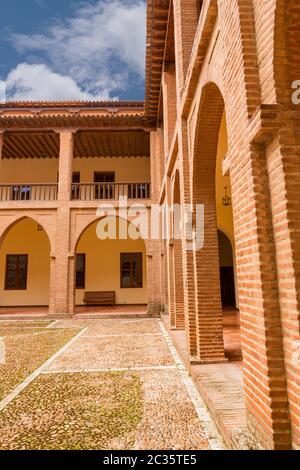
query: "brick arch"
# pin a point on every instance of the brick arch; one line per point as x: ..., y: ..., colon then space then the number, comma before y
x: 210, y: 344
x: 94, y: 220
x: 7, y: 225
x: 86, y: 223
x: 205, y: 142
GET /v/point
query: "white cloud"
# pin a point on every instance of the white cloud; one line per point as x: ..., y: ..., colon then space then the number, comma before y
x: 100, y: 47
x: 37, y: 82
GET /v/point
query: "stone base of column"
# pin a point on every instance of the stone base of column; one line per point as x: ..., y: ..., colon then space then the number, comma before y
x: 60, y: 316
x: 154, y: 310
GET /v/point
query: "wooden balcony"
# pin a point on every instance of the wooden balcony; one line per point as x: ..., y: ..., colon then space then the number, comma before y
x: 109, y: 191
x: 79, y: 192
x: 28, y: 192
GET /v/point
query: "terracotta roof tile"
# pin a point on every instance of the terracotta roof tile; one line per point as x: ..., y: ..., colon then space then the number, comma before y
x: 70, y: 104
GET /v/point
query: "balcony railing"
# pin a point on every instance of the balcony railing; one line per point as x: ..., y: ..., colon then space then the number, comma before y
x: 28, y: 192
x: 105, y: 191
x: 79, y: 191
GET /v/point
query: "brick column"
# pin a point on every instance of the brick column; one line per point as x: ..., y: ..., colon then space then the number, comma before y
x: 261, y: 328
x: 1, y: 143
x: 185, y: 25
x: 62, y: 267
x: 169, y: 105
x: 1, y: 147
x: 171, y: 283
x: 187, y: 255
x: 210, y: 343
x: 283, y: 164
x: 153, y: 243
x: 177, y: 253
x: 170, y: 257
x: 178, y: 285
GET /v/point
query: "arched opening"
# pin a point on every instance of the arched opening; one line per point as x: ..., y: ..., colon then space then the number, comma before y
x: 24, y: 266
x: 226, y: 245
x: 226, y: 270
x: 116, y: 264
x: 212, y: 190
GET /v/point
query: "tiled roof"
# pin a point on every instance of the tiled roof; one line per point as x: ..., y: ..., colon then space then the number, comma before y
x: 72, y: 104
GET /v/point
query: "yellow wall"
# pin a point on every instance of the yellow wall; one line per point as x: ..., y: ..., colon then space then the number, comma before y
x: 22, y: 239
x: 29, y: 170
x: 103, y: 266
x: 224, y: 214
x: 136, y: 170
x: 37, y: 170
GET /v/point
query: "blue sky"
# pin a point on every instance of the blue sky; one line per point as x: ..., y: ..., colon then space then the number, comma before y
x: 67, y: 49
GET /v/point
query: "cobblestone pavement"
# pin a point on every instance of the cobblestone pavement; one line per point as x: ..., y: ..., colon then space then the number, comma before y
x: 117, y: 384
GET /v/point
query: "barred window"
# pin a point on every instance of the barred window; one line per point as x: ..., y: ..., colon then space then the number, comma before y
x: 131, y: 270
x: 16, y: 272
x: 80, y: 271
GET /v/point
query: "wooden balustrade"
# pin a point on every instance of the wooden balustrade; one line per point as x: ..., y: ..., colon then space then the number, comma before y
x: 106, y: 191
x: 28, y: 192
x: 79, y: 191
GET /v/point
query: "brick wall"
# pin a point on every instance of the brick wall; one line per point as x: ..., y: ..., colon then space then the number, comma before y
x: 244, y: 57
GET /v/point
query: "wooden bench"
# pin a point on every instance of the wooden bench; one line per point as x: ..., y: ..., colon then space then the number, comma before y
x: 100, y: 298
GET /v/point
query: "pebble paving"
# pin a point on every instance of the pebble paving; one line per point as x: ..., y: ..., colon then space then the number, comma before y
x: 128, y: 393
x: 25, y: 350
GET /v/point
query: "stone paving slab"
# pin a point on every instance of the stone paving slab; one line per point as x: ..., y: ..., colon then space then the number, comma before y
x: 111, y: 352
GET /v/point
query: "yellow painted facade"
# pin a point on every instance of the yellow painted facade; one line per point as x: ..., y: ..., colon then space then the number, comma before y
x: 44, y: 171
x: 25, y: 238
x: 224, y: 214
x: 103, y: 266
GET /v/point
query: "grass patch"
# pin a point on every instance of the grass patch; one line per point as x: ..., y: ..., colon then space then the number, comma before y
x: 25, y: 323
x: 73, y: 412
x: 24, y: 354
x: 16, y: 331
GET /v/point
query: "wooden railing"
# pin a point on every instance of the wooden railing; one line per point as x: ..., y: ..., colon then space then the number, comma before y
x: 28, y: 192
x: 79, y: 191
x: 105, y: 191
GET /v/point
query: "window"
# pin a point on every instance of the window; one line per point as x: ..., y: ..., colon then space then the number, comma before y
x: 80, y: 271
x: 131, y: 270
x: 104, y: 185
x: 16, y: 272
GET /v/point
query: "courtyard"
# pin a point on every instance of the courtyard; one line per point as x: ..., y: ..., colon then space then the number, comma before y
x: 98, y: 384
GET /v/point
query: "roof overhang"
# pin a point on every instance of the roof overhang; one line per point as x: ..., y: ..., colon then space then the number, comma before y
x: 87, y: 143
x: 157, y: 25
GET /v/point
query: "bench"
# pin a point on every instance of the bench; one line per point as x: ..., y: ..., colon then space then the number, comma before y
x: 100, y: 298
